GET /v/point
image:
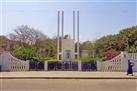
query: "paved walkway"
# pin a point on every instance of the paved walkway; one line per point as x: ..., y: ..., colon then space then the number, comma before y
x: 65, y: 75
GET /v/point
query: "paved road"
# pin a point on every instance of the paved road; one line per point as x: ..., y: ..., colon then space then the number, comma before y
x: 67, y: 74
x: 68, y: 85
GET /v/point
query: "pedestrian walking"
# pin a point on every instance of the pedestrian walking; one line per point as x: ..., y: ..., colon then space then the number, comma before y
x: 130, y: 70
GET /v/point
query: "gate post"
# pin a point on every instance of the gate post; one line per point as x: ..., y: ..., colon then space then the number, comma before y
x: 27, y: 65
x: 46, y: 65
x: 79, y: 66
x: 99, y: 66
x: 124, y: 60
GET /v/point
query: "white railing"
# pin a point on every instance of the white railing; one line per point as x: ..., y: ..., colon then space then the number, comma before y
x: 133, y: 56
x: 118, y: 63
x: 112, y: 65
x: 10, y: 63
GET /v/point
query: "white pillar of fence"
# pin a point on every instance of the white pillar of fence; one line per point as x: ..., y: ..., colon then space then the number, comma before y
x: 79, y: 66
x: 99, y: 66
x: 133, y: 58
x: 27, y: 65
x: 119, y: 63
x: 124, y: 61
x: 46, y: 65
x: 135, y: 67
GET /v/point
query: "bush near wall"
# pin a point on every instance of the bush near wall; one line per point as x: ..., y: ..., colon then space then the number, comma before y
x: 24, y: 53
x: 89, y: 59
x: 42, y: 59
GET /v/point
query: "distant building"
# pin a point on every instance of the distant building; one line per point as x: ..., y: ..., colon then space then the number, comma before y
x: 10, y: 63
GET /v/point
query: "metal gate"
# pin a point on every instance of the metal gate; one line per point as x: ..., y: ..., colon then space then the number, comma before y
x: 63, y: 66
x: 89, y: 66
x: 37, y: 66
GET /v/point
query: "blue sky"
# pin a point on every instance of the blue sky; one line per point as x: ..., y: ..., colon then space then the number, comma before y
x: 97, y: 18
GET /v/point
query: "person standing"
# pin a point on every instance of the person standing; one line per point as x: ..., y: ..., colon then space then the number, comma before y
x: 130, y: 70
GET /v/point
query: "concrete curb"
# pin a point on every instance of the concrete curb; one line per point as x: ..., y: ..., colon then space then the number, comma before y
x: 68, y: 77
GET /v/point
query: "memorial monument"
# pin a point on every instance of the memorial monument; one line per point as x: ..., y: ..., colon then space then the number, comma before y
x: 67, y: 47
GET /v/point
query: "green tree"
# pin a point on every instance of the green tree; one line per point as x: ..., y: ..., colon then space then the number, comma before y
x: 24, y: 53
x: 89, y: 46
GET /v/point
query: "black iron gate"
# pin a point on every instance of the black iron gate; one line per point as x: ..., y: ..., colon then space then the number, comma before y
x: 63, y: 66
x: 37, y: 66
x: 89, y: 66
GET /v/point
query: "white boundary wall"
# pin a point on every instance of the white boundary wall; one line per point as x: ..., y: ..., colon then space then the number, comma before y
x: 119, y: 63
x: 10, y: 63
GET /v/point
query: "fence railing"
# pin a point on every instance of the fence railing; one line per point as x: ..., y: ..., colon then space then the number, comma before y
x: 118, y: 63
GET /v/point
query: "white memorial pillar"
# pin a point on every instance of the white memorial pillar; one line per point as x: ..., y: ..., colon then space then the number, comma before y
x: 77, y: 34
x: 62, y: 36
x: 58, y: 34
x: 74, y: 34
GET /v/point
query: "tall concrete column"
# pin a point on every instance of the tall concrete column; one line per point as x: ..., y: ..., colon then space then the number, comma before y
x: 58, y: 33
x: 74, y: 33
x: 60, y: 26
x: 74, y: 26
x: 62, y: 34
x: 77, y: 34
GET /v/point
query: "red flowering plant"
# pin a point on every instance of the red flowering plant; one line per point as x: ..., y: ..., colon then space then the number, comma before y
x: 108, y: 54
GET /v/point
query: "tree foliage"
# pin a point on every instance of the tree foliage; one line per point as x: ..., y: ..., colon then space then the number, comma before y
x: 111, y: 45
x: 4, y: 43
x: 28, y: 43
x: 24, y: 53
x: 27, y: 35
